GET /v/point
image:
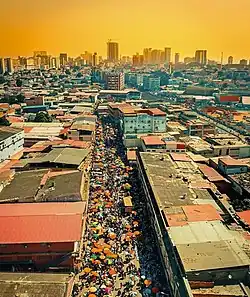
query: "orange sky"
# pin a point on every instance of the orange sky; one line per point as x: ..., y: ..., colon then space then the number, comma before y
x: 74, y: 26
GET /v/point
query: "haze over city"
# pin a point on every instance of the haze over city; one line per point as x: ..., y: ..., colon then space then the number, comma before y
x: 78, y: 25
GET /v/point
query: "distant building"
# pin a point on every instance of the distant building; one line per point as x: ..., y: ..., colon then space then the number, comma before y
x: 94, y: 60
x: 11, y: 142
x: 137, y: 60
x: 34, y: 101
x: 2, y: 66
x: 151, y: 83
x: 188, y: 60
x: 243, y: 62
x: 147, y: 55
x: 63, y: 59
x: 112, y: 51
x: 9, y: 65
x: 201, y: 57
x: 167, y: 52
x: 177, y: 58
x: 114, y: 80
x: 230, y: 60
x: 156, y: 56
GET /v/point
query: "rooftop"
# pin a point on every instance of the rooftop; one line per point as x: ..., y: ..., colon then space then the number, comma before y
x: 6, y: 132
x: 35, y: 285
x: 152, y: 140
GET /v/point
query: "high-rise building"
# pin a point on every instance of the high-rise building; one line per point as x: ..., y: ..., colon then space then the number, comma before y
x: 114, y: 80
x: 137, y: 60
x: 112, y: 51
x: 63, y: 59
x: 167, y: 52
x: 147, y: 55
x: 177, y: 58
x: 230, y: 60
x: 2, y: 66
x: 201, y: 57
x: 243, y: 62
x: 156, y: 56
x: 95, y: 60
x: 9, y: 65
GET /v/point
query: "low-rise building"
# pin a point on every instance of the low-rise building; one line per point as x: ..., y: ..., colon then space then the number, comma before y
x: 160, y: 145
x: 11, y: 142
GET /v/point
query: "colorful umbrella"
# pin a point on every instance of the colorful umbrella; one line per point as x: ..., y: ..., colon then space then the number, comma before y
x: 87, y: 269
x: 112, y: 271
x: 155, y: 290
x: 147, y: 282
x: 112, y: 235
x: 92, y: 289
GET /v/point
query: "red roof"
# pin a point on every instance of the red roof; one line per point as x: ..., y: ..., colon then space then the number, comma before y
x: 152, y: 140
x: 38, y: 229
x: 210, y: 173
x: 201, y: 212
x: 245, y: 216
x: 180, y: 157
x: 229, y: 98
x: 156, y: 112
x: 41, y: 209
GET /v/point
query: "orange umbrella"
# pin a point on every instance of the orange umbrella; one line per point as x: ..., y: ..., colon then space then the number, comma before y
x: 136, y: 233
x: 102, y: 257
x: 147, y: 282
x: 97, y: 262
x: 127, y: 226
x: 130, y: 234
x: 92, y: 295
x: 112, y: 271
x: 87, y: 269
x: 107, y: 246
x: 127, y: 238
x: 135, y: 223
x: 94, y: 273
x: 112, y: 235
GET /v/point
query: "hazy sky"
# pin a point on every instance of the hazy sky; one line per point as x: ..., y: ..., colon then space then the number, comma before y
x: 74, y: 26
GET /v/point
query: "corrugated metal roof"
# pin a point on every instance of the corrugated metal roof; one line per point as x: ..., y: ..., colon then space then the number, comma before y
x: 204, y: 212
x: 41, y: 209
x: 210, y: 173
x: 180, y: 157
x: 212, y: 255
x: 245, y: 216
x: 152, y: 140
x: 40, y: 228
x: 197, y: 232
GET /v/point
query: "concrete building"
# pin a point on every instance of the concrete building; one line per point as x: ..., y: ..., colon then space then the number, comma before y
x: 201, y: 57
x: 195, y: 245
x: 161, y: 145
x: 151, y: 83
x: 34, y: 101
x: 230, y: 60
x: 63, y: 59
x: 2, y: 66
x: 167, y: 53
x: 243, y: 62
x: 195, y: 125
x: 9, y: 65
x: 112, y: 51
x: 114, y: 81
x: 11, y: 142
x: 176, y: 58
x: 147, y: 55
x: 41, y: 235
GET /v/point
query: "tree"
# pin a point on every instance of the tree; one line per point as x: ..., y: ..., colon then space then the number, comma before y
x: 43, y: 117
x: 79, y: 74
x: 19, y: 82
x: 67, y: 72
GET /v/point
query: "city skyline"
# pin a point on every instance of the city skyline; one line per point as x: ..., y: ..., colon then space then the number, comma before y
x: 87, y: 25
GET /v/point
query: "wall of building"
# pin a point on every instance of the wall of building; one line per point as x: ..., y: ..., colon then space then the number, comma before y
x: 11, y: 145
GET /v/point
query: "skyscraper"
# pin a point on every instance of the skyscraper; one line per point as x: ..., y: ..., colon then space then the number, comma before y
x: 147, y: 55
x: 63, y: 59
x: 137, y: 60
x: 94, y: 60
x: 167, y: 51
x: 112, y: 51
x: 2, y: 66
x: 230, y: 60
x: 201, y: 57
x: 9, y: 65
x: 177, y: 58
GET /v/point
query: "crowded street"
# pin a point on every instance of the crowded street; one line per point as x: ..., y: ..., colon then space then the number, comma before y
x: 121, y: 258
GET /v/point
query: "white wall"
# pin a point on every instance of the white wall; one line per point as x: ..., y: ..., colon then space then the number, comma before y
x: 11, y: 145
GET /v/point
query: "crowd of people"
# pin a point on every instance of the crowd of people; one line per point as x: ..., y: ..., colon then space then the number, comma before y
x: 120, y: 257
